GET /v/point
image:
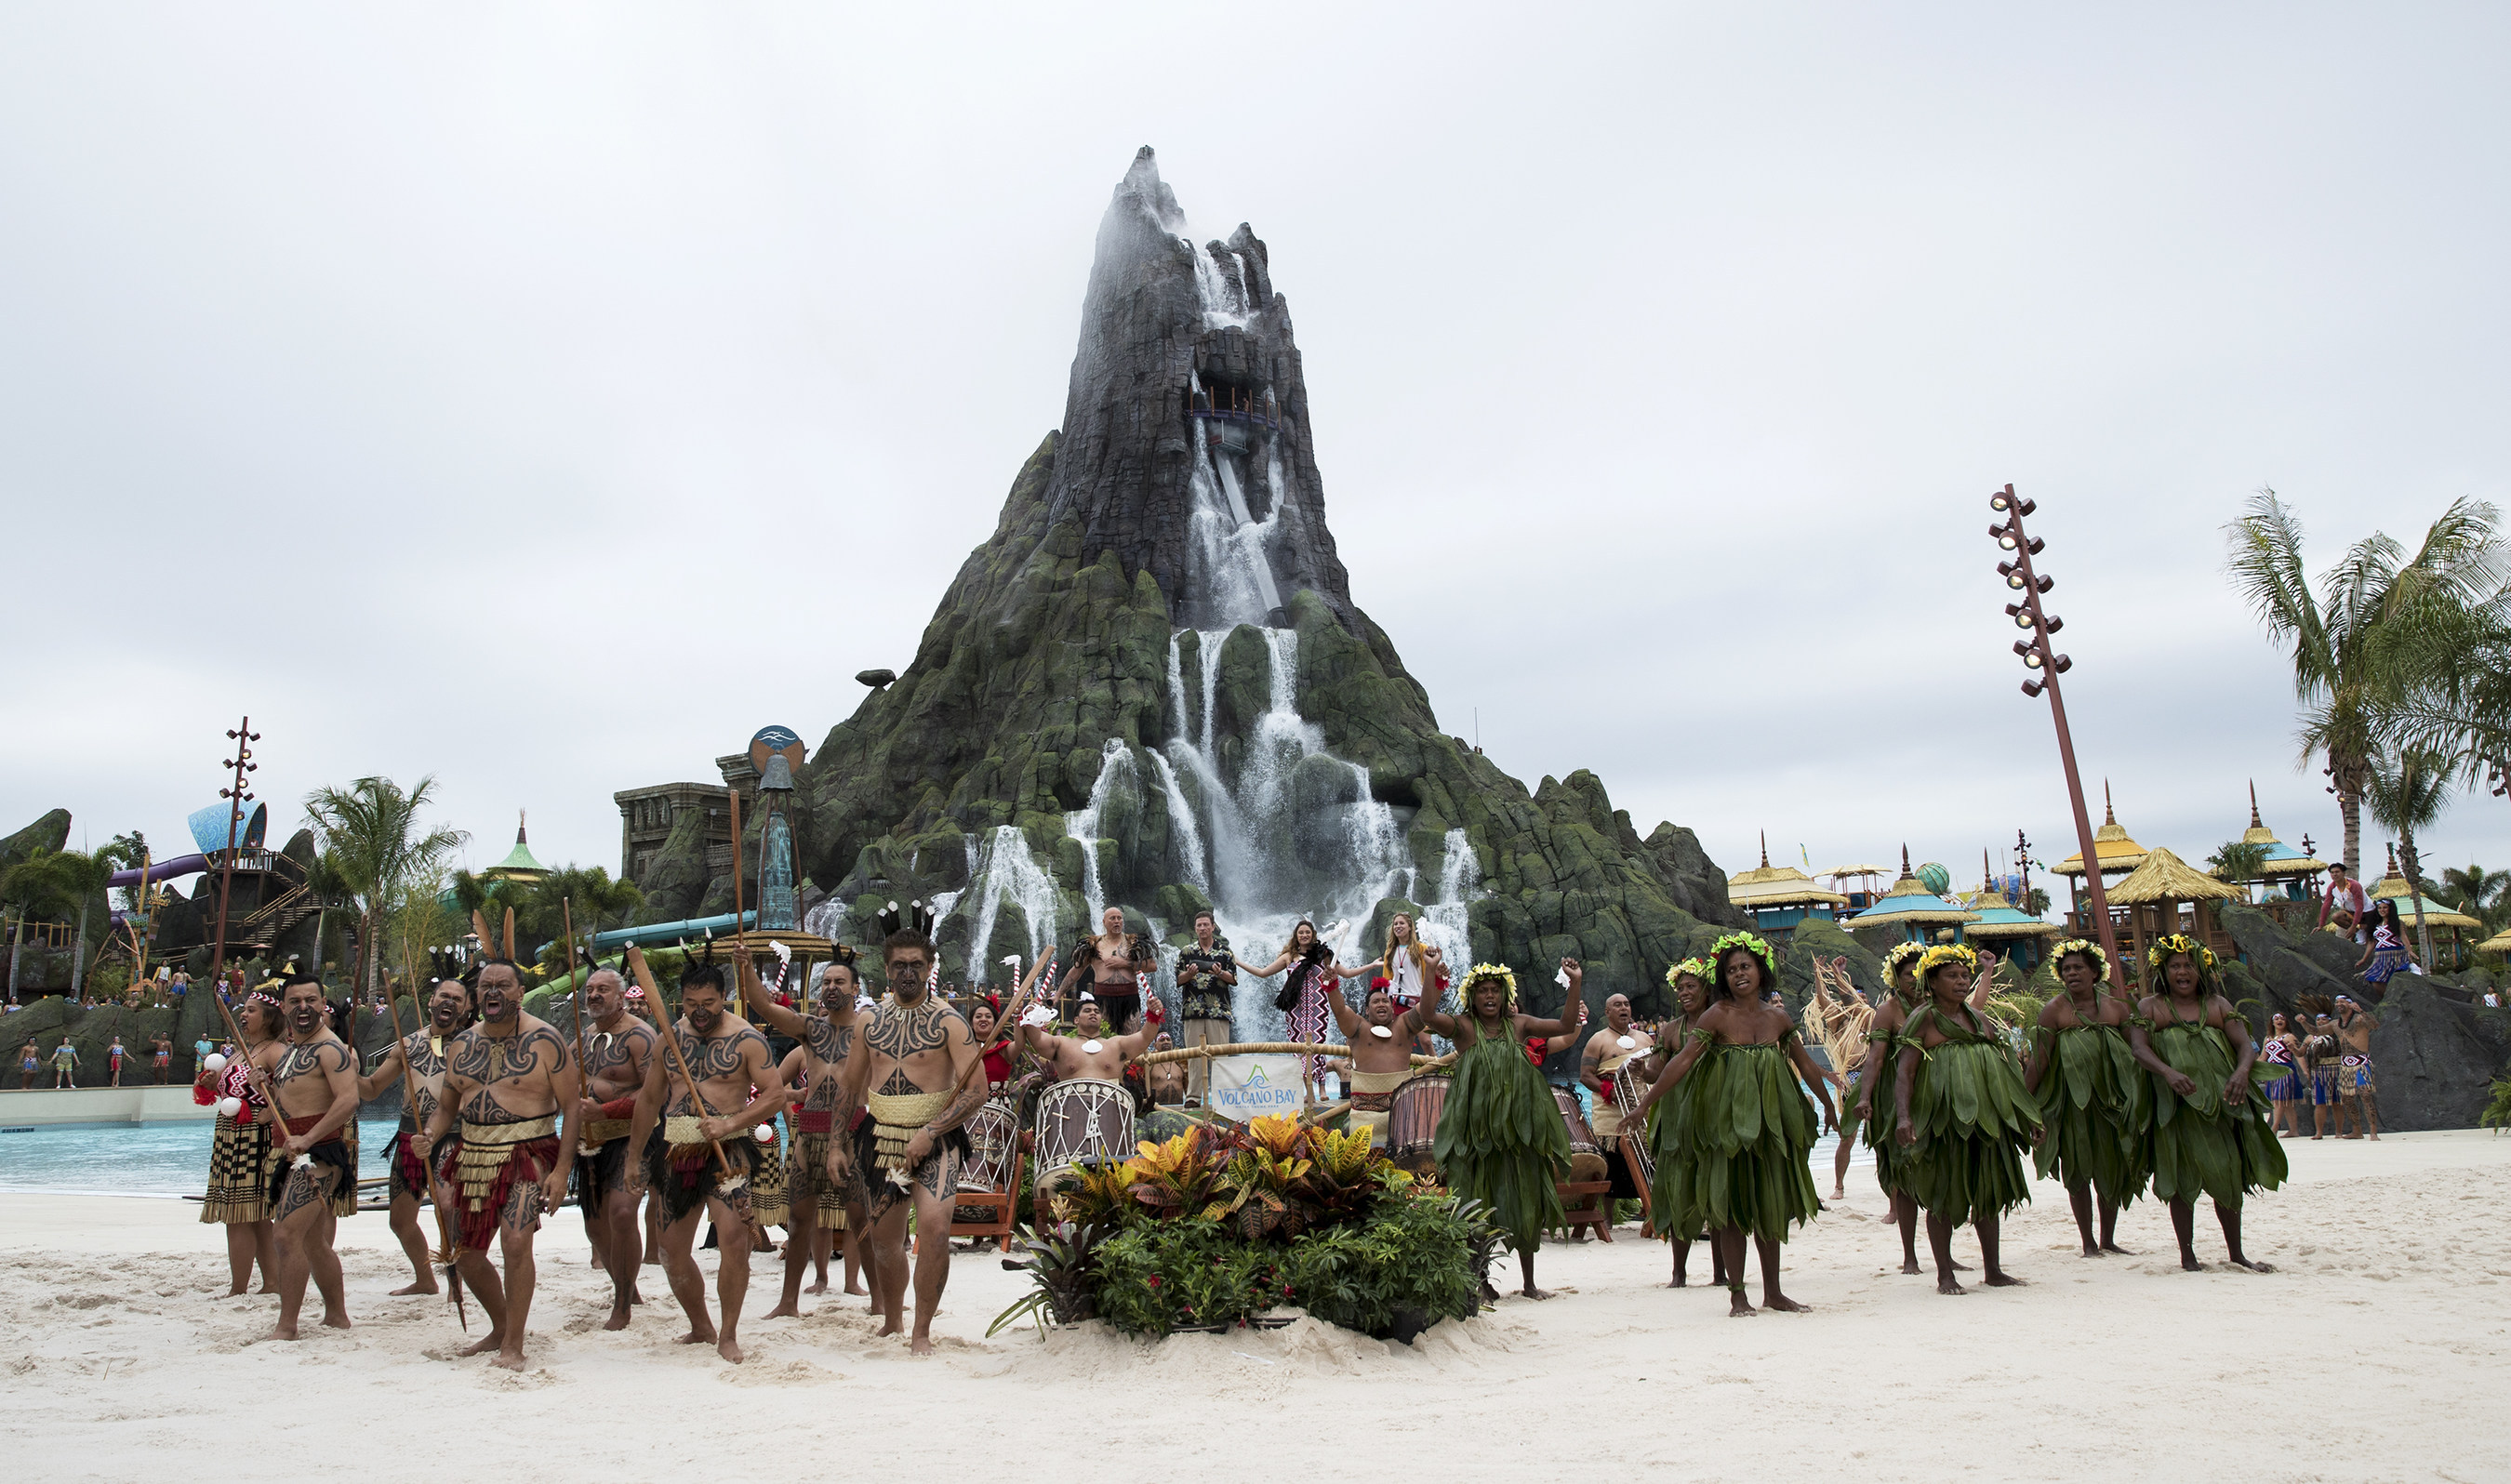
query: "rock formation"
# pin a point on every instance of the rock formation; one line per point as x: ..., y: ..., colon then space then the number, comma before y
x: 1150, y: 687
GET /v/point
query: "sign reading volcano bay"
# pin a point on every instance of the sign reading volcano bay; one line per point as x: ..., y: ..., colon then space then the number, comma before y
x: 1245, y: 1088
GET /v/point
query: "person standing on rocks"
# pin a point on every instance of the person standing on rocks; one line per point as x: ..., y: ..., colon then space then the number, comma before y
x: 161, y: 1057
x: 2358, y: 1091
x: 316, y: 1085
x: 65, y: 1064
x: 1876, y: 1114
x: 1208, y: 975
x: 1751, y: 1132
x: 1415, y: 972
x: 419, y: 1057
x: 1963, y: 1116
x: 1501, y: 1140
x: 113, y: 1063
x: 28, y: 1059
x: 2093, y: 1097
x: 1109, y: 965
x: 2211, y: 1134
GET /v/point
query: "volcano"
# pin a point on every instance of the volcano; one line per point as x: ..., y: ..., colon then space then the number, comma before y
x: 1150, y: 687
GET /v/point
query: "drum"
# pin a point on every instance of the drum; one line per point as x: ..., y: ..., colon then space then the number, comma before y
x: 1412, y: 1122
x: 1586, y: 1161
x: 993, y: 1154
x: 1627, y: 1093
x: 1082, y: 1121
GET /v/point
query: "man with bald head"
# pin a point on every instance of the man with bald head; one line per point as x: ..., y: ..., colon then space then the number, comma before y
x: 618, y: 1050
x: 1607, y: 1055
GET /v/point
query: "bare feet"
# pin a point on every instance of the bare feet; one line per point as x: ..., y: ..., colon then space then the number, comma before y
x: 1740, y: 1307
x: 2111, y: 1246
x: 2244, y: 1262
x: 618, y: 1318
x: 1911, y: 1264
x: 482, y: 1348
x: 703, y: 1335
x: 1997, y: 1280
x: 858, y: 1292
x: 281, y: 1330
x: 891, y: 1327
x: 787, y: 1311
x: 921, y: 1345
x: 1783, y: 1304
x: 820, y: 1288
x: 2188, y: 1263
x: 1948, y: 1285
x: 426, y: 1285
x: 506, y: 1362
x: 729, y: 1352
x: 335, y: 1322
x: 1533, y: 1292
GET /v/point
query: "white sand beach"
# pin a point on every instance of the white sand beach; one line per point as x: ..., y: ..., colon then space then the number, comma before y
x: 2380, y: 1348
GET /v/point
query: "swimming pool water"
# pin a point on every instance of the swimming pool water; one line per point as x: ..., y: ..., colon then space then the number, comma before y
x: 136, y: 1159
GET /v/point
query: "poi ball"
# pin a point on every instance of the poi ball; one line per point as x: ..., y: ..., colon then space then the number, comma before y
x: 766, y: 1133
x: 230, y: 1106
x: 213, y: 1063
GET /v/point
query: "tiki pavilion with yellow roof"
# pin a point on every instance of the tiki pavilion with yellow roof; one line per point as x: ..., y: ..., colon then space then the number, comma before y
x: 2117, y: 855
x: 1780, y: 897
x: 2394, y: 888
x: 2014, y: 932
x: 1910, y: 912
x: 2166, y: 895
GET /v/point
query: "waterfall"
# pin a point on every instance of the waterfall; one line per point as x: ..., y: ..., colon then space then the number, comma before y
x: 1187, y: 834
x: 1115, y: 760
x: 1003, y: 867
x: 1225, y: 556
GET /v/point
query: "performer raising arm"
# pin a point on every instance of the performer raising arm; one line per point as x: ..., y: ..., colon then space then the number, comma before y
x: 514, y: 1080
x: 1313, y: 971
x: 1501, y: 1140
x: 419, y: 1057
x: 828, y: 1040
x: 1381, y: 1056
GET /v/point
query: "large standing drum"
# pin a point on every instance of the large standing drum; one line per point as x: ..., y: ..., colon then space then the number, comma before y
x: 1627, y: 1093
x: 1586, y: 1161
x: 1082, y: 1121
x: 993, y: 1154
x: 1412, y: 1122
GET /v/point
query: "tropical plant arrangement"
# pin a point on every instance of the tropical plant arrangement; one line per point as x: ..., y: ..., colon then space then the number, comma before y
x: 1216, y: 1227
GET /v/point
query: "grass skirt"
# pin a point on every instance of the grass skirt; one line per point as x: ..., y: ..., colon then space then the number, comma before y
x: 2201, y: 1144
x: 1669, y: 1135
x: 1973, y: 1120
x: 1883, y: 1120
x: 2098, y: 1107
x: 1751, y: 1131
x: 1501, y: 1141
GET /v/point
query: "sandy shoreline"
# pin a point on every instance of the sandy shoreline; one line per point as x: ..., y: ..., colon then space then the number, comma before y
x: 2380, y: 1348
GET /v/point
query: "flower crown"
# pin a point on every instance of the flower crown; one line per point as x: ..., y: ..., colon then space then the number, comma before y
x: 1897, y: 955
x: 1698, y: 968
x: 1481, y: 972
x: 2087, y: 947
x: 2181, y: 942
x: 1945, y: 953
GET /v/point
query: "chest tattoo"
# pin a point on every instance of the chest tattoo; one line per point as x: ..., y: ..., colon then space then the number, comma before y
x: 898, y: 1033
x: 713, y: 1060
x: 303, y: 1061
x: 829, y: 1043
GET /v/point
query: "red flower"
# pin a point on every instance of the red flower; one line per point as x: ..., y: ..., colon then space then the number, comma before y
x: 1155, y: 1281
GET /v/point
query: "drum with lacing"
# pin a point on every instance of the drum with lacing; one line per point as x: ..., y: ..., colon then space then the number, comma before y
x: 993, y: 1154
x: 1628, y: 1089
x: 1412, y: 1122
x: 1586, y: 1161
x: 1082, y: 1122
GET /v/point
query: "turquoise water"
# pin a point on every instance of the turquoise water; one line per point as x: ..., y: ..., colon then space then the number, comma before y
x: 136, y: 1159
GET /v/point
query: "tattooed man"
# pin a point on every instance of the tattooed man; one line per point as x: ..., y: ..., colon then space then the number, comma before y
x: 920, y: 1063
x: 420, y: 1052
x: 618, y: 1053
x: 511, y: 1076
x: 314, y: 1075
x: 812, y: 1180
x: 702, y: 1164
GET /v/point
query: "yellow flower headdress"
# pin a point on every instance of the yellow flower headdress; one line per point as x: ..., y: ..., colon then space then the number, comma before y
x: 2087, y: 947
x: 1897, y: 955
x: 1759, y: 950
x: 1945, y: 953
x: 2181, y: 942
x: 1481, y: 972
x: 1698, y: 968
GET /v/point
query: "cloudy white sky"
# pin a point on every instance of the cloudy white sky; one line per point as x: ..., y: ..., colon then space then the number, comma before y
x: 486, y: 391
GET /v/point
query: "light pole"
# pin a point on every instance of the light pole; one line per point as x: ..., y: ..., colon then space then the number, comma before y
x: 2046, y: 665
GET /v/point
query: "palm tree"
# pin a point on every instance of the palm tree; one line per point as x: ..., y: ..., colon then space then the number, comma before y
x: 58, y: 884
x: 371, y: 828
x: 2475, y: 891
x: 2238, y: 862
x: 2374, y: 636
x: 2408, y: 792
x: 327, y: 883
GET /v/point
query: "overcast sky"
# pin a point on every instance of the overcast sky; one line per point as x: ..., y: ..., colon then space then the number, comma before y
x: 489, y: 391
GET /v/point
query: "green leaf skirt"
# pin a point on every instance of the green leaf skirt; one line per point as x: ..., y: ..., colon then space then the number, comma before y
x: 2203, y: 1145
x: 1735, y: 1135
x: 1501, y: 1141
x: 1973, y: 1120
x: 2098, y: 1107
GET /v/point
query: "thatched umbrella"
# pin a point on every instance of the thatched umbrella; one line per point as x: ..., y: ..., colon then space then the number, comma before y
x: 2154, y: 892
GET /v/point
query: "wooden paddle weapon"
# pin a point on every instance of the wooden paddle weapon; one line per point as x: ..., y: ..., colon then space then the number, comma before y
x: 671, y: 1038
x: 566, y: 912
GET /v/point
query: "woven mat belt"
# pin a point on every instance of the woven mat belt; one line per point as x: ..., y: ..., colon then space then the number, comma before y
x: 600, y: 1131
x: 490, y: 1134
x: 486, y: 1149
x: 900, y: 1119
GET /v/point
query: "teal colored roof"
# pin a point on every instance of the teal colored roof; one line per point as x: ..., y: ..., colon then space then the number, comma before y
x: 519, y: 858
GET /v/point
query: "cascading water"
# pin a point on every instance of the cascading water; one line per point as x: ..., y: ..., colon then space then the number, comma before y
x: 1003, y: 868
x: 1115, y: 765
